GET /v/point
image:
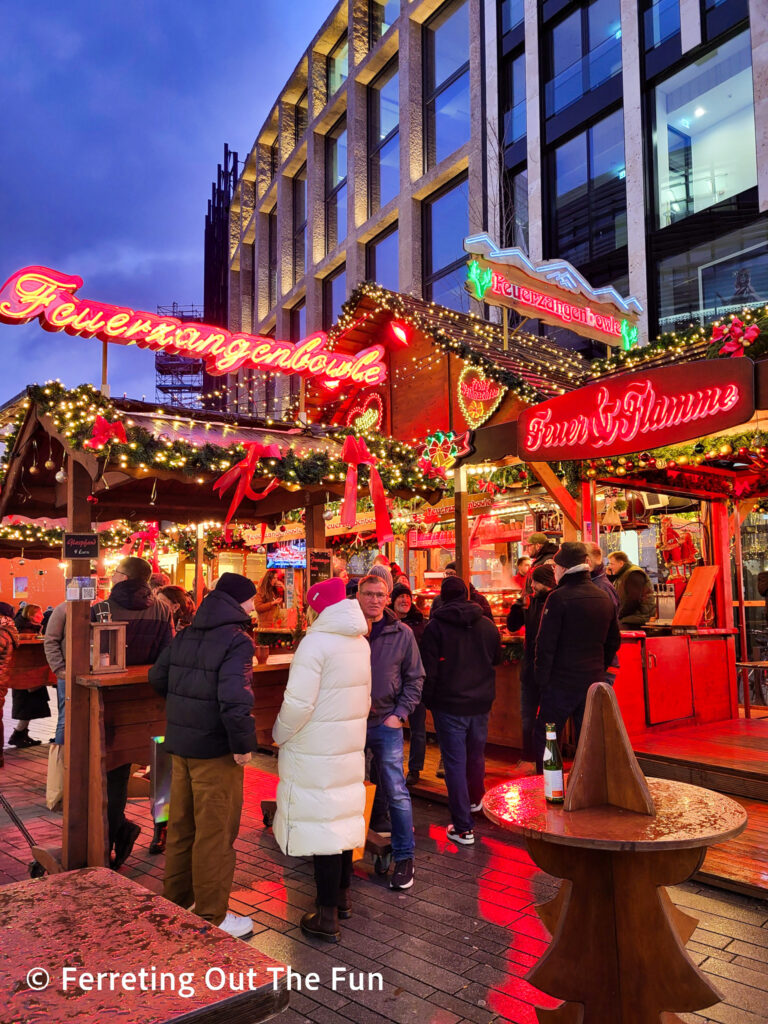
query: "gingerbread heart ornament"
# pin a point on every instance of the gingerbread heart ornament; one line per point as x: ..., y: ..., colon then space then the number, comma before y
x: 366, y: 414
x: 479, y: 396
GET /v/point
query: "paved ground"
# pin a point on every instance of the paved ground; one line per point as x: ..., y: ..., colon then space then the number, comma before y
x: 454, y: 948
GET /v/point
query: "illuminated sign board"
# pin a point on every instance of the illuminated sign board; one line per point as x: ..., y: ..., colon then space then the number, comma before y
x: 625, y: 414
x: 48, y: 295
x: 553, y: 291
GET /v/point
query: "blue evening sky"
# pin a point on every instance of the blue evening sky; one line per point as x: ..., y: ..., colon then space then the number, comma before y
x: 114, y: 116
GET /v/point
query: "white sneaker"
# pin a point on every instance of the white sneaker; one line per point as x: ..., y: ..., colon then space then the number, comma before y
x: 236, y: 926
x: 476, y: 808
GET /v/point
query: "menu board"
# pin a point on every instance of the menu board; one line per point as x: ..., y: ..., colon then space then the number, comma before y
x: 319, y: 565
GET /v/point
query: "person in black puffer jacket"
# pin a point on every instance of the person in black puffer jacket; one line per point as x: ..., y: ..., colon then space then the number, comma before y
x: 206, y: 678
x: 459, y: 649
x: 147, y: 632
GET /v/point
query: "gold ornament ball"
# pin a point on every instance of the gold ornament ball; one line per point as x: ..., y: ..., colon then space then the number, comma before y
x: 712, y: 454
x: 698, y: 459
x: 33, y: 470
x: 620, y: 471
x: 725, y: 449
x: 49, y: 464
x: 683, y: 460
x: 622, y: 461
x: 591, y: 473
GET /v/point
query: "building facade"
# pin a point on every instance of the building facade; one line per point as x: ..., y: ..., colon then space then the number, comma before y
x: 628, y: 138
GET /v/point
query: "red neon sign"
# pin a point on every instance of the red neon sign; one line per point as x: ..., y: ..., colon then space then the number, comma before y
x: 38, y: 292
x: 667, y: 405
x: 554, y: 307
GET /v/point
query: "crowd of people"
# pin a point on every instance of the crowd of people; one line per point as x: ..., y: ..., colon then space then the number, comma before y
x: 370, y: 664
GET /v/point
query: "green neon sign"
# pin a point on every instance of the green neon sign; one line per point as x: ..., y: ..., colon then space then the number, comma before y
x: 481, y: 279
x: 629, y: 335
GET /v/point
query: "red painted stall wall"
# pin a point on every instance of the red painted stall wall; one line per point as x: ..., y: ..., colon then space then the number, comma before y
x: 43, y: 590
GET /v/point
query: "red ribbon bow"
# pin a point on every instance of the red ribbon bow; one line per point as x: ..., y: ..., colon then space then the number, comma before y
x: 736, y: 338
x: 141, y: 538
x: 355, y: 453
x: 244, y: 472
x: 104, y: 431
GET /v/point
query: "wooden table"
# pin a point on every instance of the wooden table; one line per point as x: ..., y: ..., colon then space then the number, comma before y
x: 97, y: 921
x: 618, y: 948
x: 29, y: 668
x: 269, y: 682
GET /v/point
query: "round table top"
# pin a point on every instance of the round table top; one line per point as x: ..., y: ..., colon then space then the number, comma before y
x: 686, y: 816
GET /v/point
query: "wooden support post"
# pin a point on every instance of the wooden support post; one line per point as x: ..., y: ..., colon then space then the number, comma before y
x: 77, y: 653
x: 314, y: 526
x: 199, y: 562
x: 461, y: 513
x: 721, y: 556
x: 743, y: 643
x: 590, y: 530
x: 571, y: 511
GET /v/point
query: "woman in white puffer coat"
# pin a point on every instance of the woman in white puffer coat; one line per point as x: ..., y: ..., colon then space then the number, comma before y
x: 321, y: 731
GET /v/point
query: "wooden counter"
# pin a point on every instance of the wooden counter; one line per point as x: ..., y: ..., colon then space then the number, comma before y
x: 269, y: 682
x: 29, y: 669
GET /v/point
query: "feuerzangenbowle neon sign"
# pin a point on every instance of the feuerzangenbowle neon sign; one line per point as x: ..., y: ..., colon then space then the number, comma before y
x: 48, y: 295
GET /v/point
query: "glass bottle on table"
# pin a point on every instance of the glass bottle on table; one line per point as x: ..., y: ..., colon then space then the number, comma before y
x: 554, y: 782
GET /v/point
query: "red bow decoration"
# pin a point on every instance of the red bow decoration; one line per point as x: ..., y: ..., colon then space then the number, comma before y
x: 430, y: 469
x: 489, y: 487
x: 736, y: 338
x: 142, y: 537
x: 355, y: 453
x: 104, y: 431
x: 244, y: 472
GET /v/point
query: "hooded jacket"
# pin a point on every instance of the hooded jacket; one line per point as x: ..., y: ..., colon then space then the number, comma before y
x: 546, y: 554
x: 149, y: 621
x: 397, y: 674
x: 578, y: 636
x: 637, y: 601
x: 475, y: 596
x: 321, y: 729
x: 206, y: 677
x: 460, y: 648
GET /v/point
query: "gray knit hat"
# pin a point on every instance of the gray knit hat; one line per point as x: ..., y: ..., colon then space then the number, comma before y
x: 384, y: 574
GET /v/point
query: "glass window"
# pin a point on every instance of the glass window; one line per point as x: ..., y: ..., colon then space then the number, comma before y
x: 272, y: 258
x: 446, y: 225
x: 300, y: 224
x: 301, y: 115
x: 336, y: 185
x: 446, y: 48
x: 334, y: 295
x: 705, y: 133
x: 514, y: 99
x: 384, y: 13
x: 714, y: 279
x: 384, y: 138
x: 338, y: 65
x: 274, y: 160
x: 516, y: 209
x: 661, y: 20
x: 512, y: 14
x: 382, y: 260
x: 590, y: 203
x: 584, y: 53
x: 299, y: 321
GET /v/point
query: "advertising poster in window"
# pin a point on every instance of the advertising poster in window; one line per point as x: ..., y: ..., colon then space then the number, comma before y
x: 728, y: 285
x: 20, y: 586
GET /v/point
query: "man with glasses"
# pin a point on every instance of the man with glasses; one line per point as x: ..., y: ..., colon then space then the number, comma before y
x: 397, y: 677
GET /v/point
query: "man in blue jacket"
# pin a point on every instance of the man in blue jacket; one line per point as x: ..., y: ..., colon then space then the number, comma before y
x: 397, y: 677
x: 206, y: 678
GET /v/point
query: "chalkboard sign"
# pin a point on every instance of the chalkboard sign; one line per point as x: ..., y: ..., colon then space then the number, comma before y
x: 81, y: 545
x: 319, y: 565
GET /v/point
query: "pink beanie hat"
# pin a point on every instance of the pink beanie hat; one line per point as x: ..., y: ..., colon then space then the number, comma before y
x: 322, y: 595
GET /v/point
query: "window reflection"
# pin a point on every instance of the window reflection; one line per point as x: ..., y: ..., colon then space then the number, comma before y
x: 382, y: 260
x: 338, y: 65
x: 334, y: 296
x: 300, y: 223
x: 661, y: 20
x: 446, y: 225
x: 447, y: 110
x: 383, y: 138
x: 512, y: 14
x: 585, y: 52
x: 336, y: 185
x: 705, y: 133
x: 514, y: 99
x: 384, y: 13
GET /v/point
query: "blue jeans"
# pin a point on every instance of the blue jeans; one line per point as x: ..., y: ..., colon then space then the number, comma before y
x: 386, y: 745
x: 61, y: 692
x: 462, y: 741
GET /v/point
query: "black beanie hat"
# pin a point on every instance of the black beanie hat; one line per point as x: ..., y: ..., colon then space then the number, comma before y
x: 237, y: 586
x: 544, y: 574
x: 453, y: 588
x: 571, y: 553
x: 135, y: 568
x: 399, y: 589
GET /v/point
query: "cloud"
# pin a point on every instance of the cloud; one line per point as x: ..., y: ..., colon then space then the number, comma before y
x: 123, y: 259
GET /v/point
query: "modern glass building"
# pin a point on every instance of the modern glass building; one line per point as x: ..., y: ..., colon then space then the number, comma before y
x: 623, y: 136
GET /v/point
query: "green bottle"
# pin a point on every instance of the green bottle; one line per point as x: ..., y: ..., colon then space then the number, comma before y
x: 554, y: 785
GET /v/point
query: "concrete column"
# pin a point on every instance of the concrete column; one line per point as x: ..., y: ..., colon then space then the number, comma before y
x: 690, y: 24
x: 411, y: 155
x: 758, y: 23
x: 477, y: 155
x: 315, y: 226
x: 534, y: 128
x: 633, y: 159
x: 357, y: 177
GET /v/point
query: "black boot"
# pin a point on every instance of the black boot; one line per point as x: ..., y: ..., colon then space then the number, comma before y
x: 127, y: 835
x: 158, y: 837
x: 20, y: 738
x: 322, y: 924
x: 344, y: 905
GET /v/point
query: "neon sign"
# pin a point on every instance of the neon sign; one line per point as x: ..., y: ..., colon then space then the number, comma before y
x: 48, y: 295
x: 664, y: 406
x: 479, y: 397
x: 367, y: 415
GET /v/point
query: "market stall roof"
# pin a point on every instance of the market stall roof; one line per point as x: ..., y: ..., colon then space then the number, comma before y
x: 35, y: 485
x: 547, y: 368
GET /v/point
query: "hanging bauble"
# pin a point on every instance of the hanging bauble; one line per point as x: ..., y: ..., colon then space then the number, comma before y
x: 712, y: 454
x: 622, y: 461
x: 725, y: 450
x: 33, y: 470
x: 682, y: 460
x: 743, y: 452
x: 646, y: 456
x: 620, y: 471
x: 61, y: 476
x: 591, y: 473
x: 698, y: 459
x: 652, y: 463
x: 49, y: 464
x: 699, y: 448
x: 642, y: 463
x: 671, y: 464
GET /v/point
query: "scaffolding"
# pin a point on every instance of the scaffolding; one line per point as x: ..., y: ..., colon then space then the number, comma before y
x: 180, y: 381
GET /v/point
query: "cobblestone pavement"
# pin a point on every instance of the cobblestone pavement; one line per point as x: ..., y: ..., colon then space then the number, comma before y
x: 454, y: 948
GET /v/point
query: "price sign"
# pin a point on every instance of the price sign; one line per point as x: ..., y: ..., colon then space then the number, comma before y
x: 81, y: 545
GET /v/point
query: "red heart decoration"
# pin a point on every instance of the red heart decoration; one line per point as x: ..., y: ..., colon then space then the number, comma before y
x: 367, y: 415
